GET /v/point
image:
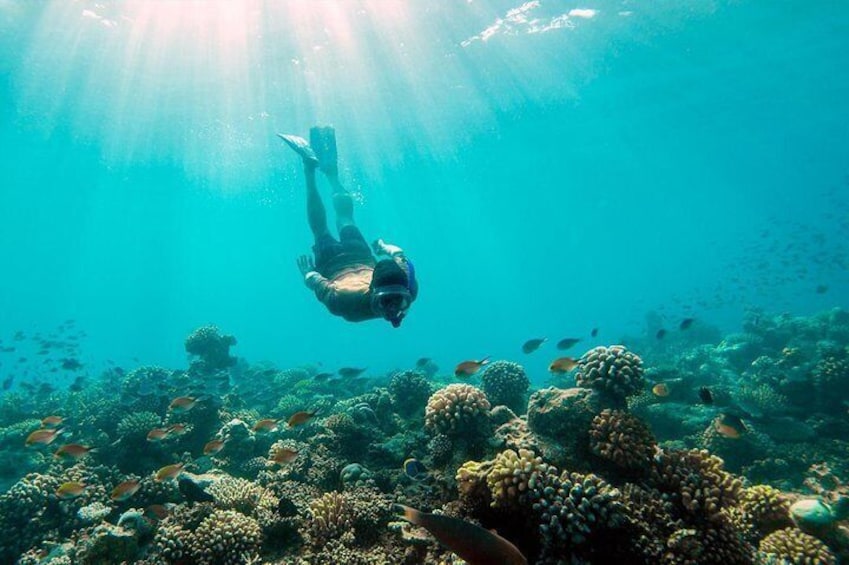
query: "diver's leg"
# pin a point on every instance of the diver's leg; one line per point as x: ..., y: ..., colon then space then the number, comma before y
x: 343, y: 204
x: 316, y: 214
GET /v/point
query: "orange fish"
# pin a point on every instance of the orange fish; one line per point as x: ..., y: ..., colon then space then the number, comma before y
x: 473, y: 544
x: 52, y: 421
x: 283, y: 456
x: 299, y: 418
x: 730, y: 426
x: 169, y: 472
x: 158, y: 434
x: 469, y: 368
x: 182, y: 404
x: 72, y: 451
x: 213, y: 447
x: 43, y: 436
x: 70, y: 490
x: 661, y: 390
x: 563, y: 365
x: 178, y: 429
x: 125, y: 490
x: 158, y: 511
x: 266, y: 425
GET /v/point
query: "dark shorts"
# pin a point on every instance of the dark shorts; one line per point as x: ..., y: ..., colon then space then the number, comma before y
x: 331, y: 256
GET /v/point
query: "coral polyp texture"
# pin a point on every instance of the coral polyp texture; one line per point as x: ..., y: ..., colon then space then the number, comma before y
x: 506, y: 383
x: 457, y: 410
x: 739, y: 458
x: 613, y: 371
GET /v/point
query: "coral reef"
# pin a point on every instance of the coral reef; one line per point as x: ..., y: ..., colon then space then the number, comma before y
x: 226, y: 537
x: 795, y: 547
x: 212, y: 349
x: 697, y: 481
x: 458, y: 410
x: 410, y: 391
x: 622, y: 439
x: 506, y: 383
x: 614, y: 371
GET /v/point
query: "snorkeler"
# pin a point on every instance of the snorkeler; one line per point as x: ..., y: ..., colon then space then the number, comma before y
x: 345, y: 276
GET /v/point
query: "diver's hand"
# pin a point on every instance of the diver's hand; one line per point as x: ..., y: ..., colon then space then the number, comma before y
x: 381, y: 247
x: 306, y: 265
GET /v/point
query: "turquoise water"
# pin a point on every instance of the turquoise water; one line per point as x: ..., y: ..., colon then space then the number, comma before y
x: 547, y: 173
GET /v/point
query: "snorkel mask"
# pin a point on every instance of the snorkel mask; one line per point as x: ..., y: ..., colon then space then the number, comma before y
x: 391, y: 302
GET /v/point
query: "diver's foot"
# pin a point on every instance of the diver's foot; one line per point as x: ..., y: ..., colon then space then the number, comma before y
x: 300, y: 146
x: 323, y: 142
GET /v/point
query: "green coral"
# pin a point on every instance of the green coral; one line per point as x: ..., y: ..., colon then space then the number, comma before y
x: 409, y: 391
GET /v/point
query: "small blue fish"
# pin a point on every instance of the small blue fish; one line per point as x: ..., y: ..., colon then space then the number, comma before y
x: 415, y: 469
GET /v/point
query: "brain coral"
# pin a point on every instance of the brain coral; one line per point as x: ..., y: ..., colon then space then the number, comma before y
x: 794, y: 547
x: 457, y: 410
x: 505, y: 383
x: 613, y: 370
x: 622, y: 439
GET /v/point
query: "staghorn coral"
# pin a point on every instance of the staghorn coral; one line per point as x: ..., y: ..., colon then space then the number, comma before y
x: 506, y: 383
x: 212, y: 348
x: 457, y: 410
x: 331, y: 516
x: 409, y: 391
x: 226, y: 537
x: 510, y: 474
x: 696, y: 480
x: 622, y: 439
x: 794, y: 547
x: 614, y: 371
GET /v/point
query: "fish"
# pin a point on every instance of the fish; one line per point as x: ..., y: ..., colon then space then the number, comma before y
x: 266, y: 425
x: 415, y: 469
x: 125, y: 490
x: 686, y: 323
x: 214, y: 446
x: 822, y: 288
x: 72, y: 451
x: 69, y: 490
x: 469, y: 368
x: 594, y: 333
x: 169, y: 472
x: 567, y: 343
x: 661, y: 390
x: 423, y: 362
x: 43, y: 436
x: 563, y: 365
x: 661, y: 333
x: 705, y: 395
x: 8, y: 381
x: 158, y: 511
x: 322, y: 376
x: 533, y: 344
x: 283, y: 455
x: 473, y: 544
x: 178, y: 429
x: 182, y: 404
x: 158, y: 434
x: 730, y: 426
x: 192, y: 491
x: 349, y: 372
x: 286, y: 508
x: 52, y: 421
x: 71, y: 364
x: 299, y: 418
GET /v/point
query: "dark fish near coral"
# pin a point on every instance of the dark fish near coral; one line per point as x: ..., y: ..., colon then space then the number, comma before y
x: 415, y: 469
x: 169, y: 472
x: 158, y: 511
x: 69, y: 490
x: 533, y: 344
x: 78, y: 384
x: 320, y: 377
x: 125, y: 490
x: 192, y: 491
x: 567, y: 343
x: 182, y: 404
x: 469, y: 368
x: 283, y: 456
x: 822, y: 289
x: 422, y: 362
x: 686, y: 323
x: 563, y: 365
x: 661, y: 333
x: 350, y: 372
x: 43, y: 436
x: 214, y: 446
x: 286, y: 508
x: 71, y: 364
x: 705, y: 395
x: 730, y: 426
x: 470, y: 542
x: 8, y: 381
x: 73, y: 451
x: 299, y: 418
x: 594, y: 333
x: 661, y: 390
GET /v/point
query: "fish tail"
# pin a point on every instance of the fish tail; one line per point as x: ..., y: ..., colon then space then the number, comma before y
x: 409, y: 514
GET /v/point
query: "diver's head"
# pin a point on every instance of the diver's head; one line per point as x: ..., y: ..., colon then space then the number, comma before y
x: 390, y: 296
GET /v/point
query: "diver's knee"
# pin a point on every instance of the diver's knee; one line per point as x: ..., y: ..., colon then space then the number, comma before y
x: 344, y: 204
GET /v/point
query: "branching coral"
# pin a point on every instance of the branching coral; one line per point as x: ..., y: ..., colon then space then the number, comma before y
x: 457, y: 410
x: 622, y: 439
x: 331, y: 516
x: 226, y: 537
x: 506, y: 383
x: 766, y: 508
x: 794, y: 547
x: 613, y: 371
x: 212, y: 348
x: 510, y: 474
x: 696, y: 480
